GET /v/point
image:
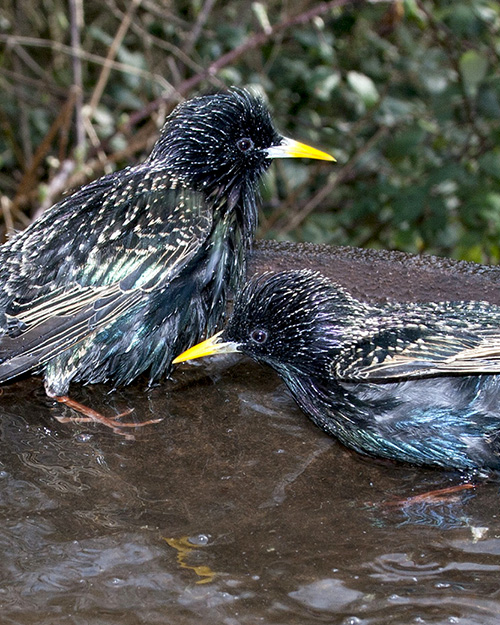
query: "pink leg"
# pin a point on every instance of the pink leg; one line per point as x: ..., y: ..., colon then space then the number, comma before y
x: 432, y: 495
x: 92, y: 415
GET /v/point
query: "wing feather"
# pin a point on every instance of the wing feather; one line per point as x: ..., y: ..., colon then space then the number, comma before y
x: 408, y: 349
x: 84, y: 293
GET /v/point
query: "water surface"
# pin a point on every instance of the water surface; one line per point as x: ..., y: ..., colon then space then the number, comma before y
x: 235, y: 509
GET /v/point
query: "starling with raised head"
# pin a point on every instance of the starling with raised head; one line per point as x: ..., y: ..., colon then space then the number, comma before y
x: 118, y: 277
x: 413, y: 382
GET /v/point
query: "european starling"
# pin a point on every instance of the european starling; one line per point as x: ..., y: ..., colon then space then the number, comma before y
x: 131, y: 269
x: 414, y: 382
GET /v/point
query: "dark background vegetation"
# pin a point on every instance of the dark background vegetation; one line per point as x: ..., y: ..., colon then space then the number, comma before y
x: 406, y: 95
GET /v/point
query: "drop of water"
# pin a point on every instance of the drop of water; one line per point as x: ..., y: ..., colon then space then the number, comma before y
x: 84, y: 438
x: 352, y: 620
x: 200, y: 540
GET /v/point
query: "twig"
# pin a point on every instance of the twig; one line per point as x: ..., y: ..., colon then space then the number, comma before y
x: 10, y: 136
x: 57, y: 46
x: 30, y: 62
x: 198, y: 26
x: 344, y: 173
x: 94, y: 140
x: 230, y: 57
x: 445, y: 38
x: 140, y: 141
x: 23, y: 116
x: 163, y: 44
x: 58, y: 184
x: 76, y: 17
x: 37, y: 84
x: 113, y: 49
x: 7, y: 214
x: 29, y: 175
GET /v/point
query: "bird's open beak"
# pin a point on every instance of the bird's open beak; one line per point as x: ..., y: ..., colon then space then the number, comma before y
x: 289, y: 148
x: 211, y: 346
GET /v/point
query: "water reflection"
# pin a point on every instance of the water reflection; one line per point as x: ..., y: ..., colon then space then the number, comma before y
x: 235, y: 488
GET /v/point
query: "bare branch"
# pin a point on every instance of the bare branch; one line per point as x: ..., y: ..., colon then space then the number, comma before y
x: 6, y: 205
x: 56, y: 46
x: 108, y: 63
x: 325, y: 191
x: 230, y: 57
x: 43, y: 148
x: 76, y: 16
x: 197, y: 28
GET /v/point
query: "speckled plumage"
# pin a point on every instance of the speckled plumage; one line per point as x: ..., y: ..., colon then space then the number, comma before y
x: 415, y: 382
x: 127, y: 271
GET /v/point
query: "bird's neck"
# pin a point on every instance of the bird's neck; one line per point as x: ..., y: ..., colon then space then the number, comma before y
x: 236, y: 208
x: 226, y: 260
x: 330, y: 405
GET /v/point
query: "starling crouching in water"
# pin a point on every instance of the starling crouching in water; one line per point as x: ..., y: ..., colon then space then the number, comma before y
x: 131, y: 269
x: 414, y: 382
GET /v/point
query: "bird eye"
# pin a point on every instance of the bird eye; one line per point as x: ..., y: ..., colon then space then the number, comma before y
x: 259, y: 336
x: 244, y: 144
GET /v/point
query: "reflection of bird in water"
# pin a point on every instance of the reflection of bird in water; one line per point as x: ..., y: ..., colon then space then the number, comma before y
x: 415, y: 382
x: 131, y: 269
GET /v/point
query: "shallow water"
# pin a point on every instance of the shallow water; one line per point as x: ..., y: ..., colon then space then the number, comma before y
x: 234, y: 509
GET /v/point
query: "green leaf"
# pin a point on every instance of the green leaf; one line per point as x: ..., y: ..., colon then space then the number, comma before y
x: 473, y: 67
x: 324, y: 81
x: 490, y: 164
x: 364, y: 86
x: 405, y: 142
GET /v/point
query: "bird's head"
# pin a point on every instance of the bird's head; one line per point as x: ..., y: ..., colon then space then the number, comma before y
x: 220, y: 142
x: 294, y: 321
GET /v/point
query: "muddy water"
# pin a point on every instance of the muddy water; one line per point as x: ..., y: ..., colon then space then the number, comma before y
x: 233, y: 510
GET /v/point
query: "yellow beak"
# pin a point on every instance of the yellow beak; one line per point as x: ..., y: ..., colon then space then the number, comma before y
x: 289, y: 148
x: 211, y: 346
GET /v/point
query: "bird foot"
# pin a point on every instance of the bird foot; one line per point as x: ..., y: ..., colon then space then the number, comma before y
x: 431, y: 496
x: 90, y: 415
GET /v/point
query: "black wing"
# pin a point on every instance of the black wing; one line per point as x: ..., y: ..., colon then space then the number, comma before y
x: 464, y: 339
x: 91, y: 259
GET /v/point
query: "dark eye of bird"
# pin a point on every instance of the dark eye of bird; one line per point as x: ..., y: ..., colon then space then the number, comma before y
x: 244, y: 144
x: 259, y: 336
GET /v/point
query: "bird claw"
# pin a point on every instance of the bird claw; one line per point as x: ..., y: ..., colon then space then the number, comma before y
x: 90, y: 415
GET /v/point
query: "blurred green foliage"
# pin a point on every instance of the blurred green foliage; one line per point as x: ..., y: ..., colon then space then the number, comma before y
x: 406, y: 95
